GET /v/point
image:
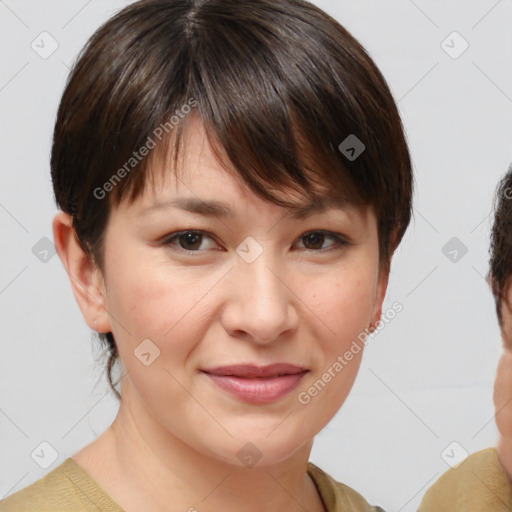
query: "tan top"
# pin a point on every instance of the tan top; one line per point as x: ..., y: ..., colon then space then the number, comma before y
x: 69, y: 488
x: 477, y: 484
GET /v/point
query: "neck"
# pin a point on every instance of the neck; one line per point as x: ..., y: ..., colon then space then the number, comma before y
x: 150, y: 468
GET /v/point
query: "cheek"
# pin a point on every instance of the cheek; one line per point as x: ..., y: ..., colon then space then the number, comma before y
x: 345, y: 302
x: 163, y: 304
x: 503, y: 395
x: 139, y: 303
x: 343, y: 305
x: 149, y: 300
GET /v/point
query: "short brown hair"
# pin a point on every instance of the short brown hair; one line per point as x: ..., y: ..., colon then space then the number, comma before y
x: 500, y: 270
x: 278, y: 85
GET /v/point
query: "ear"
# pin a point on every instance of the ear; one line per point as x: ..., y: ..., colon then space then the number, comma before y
x: 488, y: 279
x: 380, y: 293
x: 86, y: 279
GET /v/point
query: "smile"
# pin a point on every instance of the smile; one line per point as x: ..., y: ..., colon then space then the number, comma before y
x: 255, y: 384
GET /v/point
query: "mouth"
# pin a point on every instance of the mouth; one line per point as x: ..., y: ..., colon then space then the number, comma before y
x: 257, y: 384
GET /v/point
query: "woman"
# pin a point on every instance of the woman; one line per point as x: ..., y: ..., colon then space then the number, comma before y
x: 233, y: 180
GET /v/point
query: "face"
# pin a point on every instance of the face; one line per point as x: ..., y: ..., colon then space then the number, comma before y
x: 503, y: 391
x: 254, y: 288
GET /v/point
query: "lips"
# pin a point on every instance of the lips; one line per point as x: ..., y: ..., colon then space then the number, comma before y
x: 256, y: 384
x: 249, y: 371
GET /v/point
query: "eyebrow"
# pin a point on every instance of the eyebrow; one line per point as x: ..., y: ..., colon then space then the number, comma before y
x: 218, y: 209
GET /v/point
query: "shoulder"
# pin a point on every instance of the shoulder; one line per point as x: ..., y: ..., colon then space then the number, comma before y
x: 67, y: 488
x: 40, y: 495
x: 337, y: 496
x: 478, y: 484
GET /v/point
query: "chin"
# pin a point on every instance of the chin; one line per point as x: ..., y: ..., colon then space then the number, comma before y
x: 259, y: 451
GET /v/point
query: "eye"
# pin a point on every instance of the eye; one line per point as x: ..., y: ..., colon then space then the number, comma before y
x: 192, y: 241
x: 189, y: 241
x: 317, y: 238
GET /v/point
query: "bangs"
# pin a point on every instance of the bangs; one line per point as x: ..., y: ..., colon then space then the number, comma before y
x: 271, y: 109
x: 305, y: 174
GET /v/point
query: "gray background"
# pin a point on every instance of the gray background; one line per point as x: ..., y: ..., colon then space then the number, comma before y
x: 426, y: 379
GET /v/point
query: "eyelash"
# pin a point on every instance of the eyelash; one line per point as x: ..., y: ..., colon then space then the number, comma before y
x: 168, y: 240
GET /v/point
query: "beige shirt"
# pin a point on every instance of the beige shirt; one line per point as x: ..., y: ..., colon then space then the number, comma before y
x: 477, y: 484
x: 69, y: 488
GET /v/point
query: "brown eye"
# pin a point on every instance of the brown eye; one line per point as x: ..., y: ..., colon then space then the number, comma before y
x: 314, y: 240
x: 187, y: 241
x: 190, y: 240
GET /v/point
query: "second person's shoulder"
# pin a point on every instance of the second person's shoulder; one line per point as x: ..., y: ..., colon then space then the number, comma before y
x: 478, y: 484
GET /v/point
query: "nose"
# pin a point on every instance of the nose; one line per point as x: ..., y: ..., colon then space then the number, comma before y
x: 262, y: 305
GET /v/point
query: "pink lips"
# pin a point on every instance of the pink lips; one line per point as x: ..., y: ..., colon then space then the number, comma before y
x: 257, y: 384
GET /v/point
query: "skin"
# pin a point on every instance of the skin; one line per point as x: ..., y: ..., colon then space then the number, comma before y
x: 503, y: 391
x: 176, y: 436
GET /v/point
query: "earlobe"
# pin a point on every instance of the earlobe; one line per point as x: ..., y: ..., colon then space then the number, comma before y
x: 86, y: 279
